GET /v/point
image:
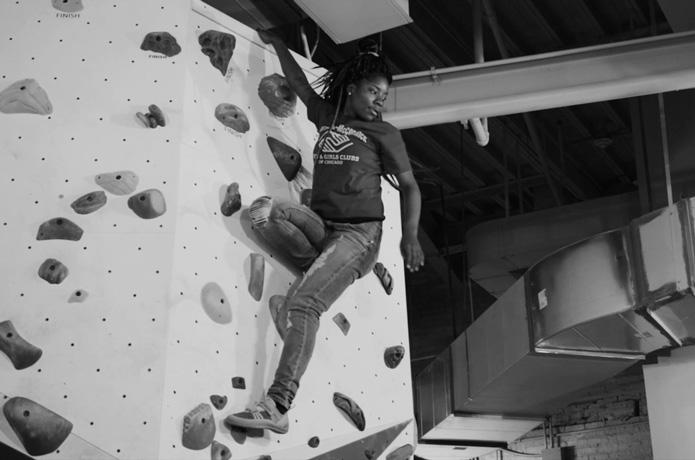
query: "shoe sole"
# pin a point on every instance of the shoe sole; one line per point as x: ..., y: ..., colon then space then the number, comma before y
x: 258, y: 424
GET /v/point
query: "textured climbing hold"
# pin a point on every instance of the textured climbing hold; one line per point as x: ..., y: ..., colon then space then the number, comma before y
x: 342, y: 323
x: 278, y: 311
x: 87, y: 204
x: 59, y: 228
x: 219, y: 451
x: 118, y: 182
x: 350, y: 408
x: 53, y: 271
x: 393, y: 356
x: 68, y: 6
x: 314, y: 442
x: 233, y: 117
x: 277, y: 95
x: 239, y: 383
x: 232, y: 200
x: 198, y: 428
x: 157, y: 114
x: 22, y: 353
x: 148, y: 204
x: 215, y: 303
x: 25, y: 96
x: 161, y: 42
x: 384, y: 276
x: 218, y: 401
x: 219, y: 47
x: 305, y: 197
x: 40, y: 430
x: 78, y: 296
x: 402, y: 453
x: 257, y: 276
x: 287, y: 158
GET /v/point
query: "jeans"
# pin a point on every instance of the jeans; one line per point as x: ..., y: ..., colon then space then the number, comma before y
x: 332, y: 255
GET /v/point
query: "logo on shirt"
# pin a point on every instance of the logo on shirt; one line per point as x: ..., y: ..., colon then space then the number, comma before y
x: 335, y: 142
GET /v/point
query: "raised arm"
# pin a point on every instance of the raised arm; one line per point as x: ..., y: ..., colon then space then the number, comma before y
x: 294, y: 74
x: 410, y: 220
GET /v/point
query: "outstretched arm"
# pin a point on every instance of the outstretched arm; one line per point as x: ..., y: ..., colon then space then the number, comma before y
x: 294, y: 74
x: 410, y: 246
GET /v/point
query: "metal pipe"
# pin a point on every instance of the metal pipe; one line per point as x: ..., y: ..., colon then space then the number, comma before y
x: 664, y: 147
x: 482, y: 136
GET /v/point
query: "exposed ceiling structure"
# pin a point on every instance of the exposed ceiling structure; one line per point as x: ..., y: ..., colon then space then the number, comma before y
x: 534, y: 161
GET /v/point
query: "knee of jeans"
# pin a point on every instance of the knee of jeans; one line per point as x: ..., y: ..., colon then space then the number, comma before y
x: 259, y: 211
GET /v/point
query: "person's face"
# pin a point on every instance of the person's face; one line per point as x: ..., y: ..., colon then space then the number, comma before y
x: 366, y: 97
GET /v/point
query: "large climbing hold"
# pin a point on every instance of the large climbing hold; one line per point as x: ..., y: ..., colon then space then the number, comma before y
x: 148, y: 204
x: 161, y: 42
x: 198, y: 428
x: 219, y: 451
x: 68, y: 6
x: 232, y: 117
x: 277, y: 95
x: 219, y: 47
x: 350, y: 408
x: 287, y: 158
x: 118, y: 182
x: 87, y: 204
x: 22, y: 353
x: 384, y: 276
x: 232, y: 200
x: 53, y: 271
x: 40, y: 430
x: 59, y: 228
x: 257, y: 276
x: 278, y: 311
x: 393, y: 356
x: 215, y: 303
x: 342, y: 323
x: 402, y: 453
x: 25, y: 96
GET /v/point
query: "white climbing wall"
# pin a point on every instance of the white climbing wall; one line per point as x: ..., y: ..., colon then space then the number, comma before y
x: 127, y: 363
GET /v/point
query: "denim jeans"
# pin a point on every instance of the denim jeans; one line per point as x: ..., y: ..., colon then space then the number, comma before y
x: 332, y: 255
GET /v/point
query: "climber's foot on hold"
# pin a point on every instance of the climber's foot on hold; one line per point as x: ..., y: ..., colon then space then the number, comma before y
x: 264, y: 415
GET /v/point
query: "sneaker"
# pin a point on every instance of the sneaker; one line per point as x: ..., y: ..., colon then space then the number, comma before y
x: 264, y: 415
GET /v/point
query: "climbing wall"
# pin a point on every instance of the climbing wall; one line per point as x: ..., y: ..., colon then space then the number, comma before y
x: 136, y: 336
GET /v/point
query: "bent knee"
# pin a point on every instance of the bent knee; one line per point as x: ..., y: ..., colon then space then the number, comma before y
x: 259, y: 211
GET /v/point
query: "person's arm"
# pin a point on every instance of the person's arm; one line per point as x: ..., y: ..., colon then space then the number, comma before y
x: 410, y: 220
x: 294, y: 74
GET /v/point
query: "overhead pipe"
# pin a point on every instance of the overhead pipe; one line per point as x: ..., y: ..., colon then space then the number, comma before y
x: 479, y: 126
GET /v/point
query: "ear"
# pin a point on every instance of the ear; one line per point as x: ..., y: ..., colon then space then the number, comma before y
x: 351, y: 88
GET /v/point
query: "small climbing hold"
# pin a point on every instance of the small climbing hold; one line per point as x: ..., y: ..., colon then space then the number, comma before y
x: 369, y: 454
x: 118, y: 182
x: 232, y: 117
x: 161, y: 42
x: 257, y: 276
x: 305, y: 197
x: 219, y: 47
x: 22, y: 353
x: 68, y: 6
x: 351, y: 409
x: 89, y: 203
x: 393, y: 356
x: 25, y: 96
x: 78, y: 296
x: 198, y: 428
x: 232, y: 200
x: 219, y: 451
x: 265, y: 457
x: 40, y: 430
x: 314, y: 442
x: 157, y: 114
x: 278, y: 311
x: 287, y: 158
x: 53, y: 271
x: 239, y: 383
x: 277, y: 95
x: 342, y: 323
x: 152, y: 120
x: 59, y: 228
x: 218, y: 401
x: 384, y: 276
x: 402, y: 453
x: 148, y: 204
x: 215, y: 303
x: 144, y: 119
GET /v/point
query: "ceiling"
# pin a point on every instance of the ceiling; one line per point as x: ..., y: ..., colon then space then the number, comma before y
x: 588, y: 148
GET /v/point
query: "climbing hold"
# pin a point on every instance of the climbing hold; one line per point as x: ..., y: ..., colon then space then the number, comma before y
x: 233, y: 117
x: 89, y: 203
x: 232, y: 200
x: 277, y: 95
x: 148, y: 204
x: 118, y: 182
x: 257, y: 276
x: 219, y: 451
x: 402, y: 453
x: 393, y: 356
x: 239, y: 383
x: 59, y: 228
x: 314, y: 442
x: 25, y: 96
x: 278, y: 311
x: 215, y: 303
x: 384, y: 276
x: 265, y: 457
x: 219, y: 47
x: 198, y: 428
x: 40, y: 430
x: 288, y: 159
x: 53, y: 271
x: 218, y: 401
x: 350, y: 408
x: 144, y: 119
x: 68, y: 6
x: 342, y: 323
x: 305, y: 197
x: 161, y: 42
x: 21, y: 353
x: 369, y: 454
x: 78, y: 296
x: 157, y: 114
x: 152, y: 120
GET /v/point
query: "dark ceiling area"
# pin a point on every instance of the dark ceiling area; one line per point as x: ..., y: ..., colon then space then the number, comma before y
x: 534, y: 161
